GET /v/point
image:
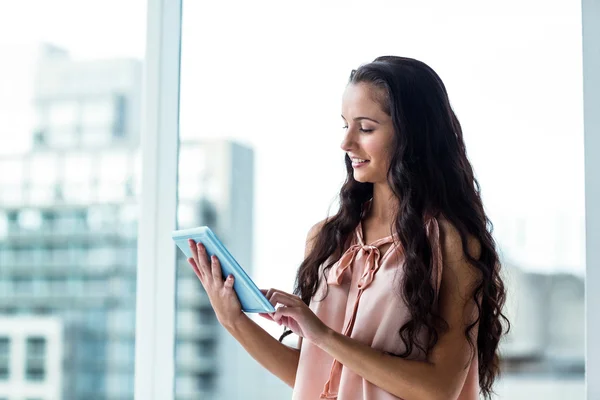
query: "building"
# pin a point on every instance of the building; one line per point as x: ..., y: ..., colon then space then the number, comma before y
x: 68, y: 222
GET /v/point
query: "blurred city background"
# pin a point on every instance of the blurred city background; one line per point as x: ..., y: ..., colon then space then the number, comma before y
x: 259, y: 161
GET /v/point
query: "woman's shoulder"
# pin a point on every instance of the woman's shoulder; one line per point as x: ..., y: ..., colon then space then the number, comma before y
x: 451, y: 241
x: 312, y: 235
x: 314, y: 231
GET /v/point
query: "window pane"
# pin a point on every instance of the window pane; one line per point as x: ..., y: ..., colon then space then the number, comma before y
x: 78, y: 167
x: 13, y: 171
x: 35, y: 366
x: 4, y: 358
x: 114, y: 167
x: 97, y: 112
x: 67, y: 255
x: 62, y: 114
x: 260, y: 158
x: 43, y: 169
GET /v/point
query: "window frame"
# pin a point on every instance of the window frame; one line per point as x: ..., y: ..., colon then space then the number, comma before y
x: 590, y: 11
x: 155, y: 295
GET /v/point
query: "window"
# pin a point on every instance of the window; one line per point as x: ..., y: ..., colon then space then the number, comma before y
x: 97, y: 113
x: 78, y: 168
x: 30, y: 219
x: 35, y: 364
x: 120, y: 121
x: 16, y: 168
x: 4, y: 358
x: 43, y: 169
x: 62, y: 114
x: 257, y: 154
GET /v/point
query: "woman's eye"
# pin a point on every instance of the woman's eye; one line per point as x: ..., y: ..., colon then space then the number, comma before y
x: 345, y: 127
x: 366, y: 130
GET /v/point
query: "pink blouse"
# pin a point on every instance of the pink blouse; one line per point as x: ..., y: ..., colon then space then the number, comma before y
x: 364, y: 303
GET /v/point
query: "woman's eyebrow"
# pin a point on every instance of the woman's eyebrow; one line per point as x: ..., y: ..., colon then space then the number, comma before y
x: 361, y: 118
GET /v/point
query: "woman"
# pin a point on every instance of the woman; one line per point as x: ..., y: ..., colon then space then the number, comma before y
x: 399, y: 295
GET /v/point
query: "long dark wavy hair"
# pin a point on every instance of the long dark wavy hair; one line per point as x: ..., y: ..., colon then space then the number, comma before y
x: 431, y: 176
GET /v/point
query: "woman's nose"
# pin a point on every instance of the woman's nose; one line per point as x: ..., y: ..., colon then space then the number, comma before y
x: 347, y: 142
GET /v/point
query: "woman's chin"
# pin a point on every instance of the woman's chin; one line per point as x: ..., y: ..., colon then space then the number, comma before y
x: 360, y: 177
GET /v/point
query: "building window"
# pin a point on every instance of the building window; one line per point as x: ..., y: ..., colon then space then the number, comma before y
x: 4, y: 358
x: 35, y: 367
x: 120, y: 118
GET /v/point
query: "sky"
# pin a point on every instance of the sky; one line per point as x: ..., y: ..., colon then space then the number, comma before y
x: 271, y: 76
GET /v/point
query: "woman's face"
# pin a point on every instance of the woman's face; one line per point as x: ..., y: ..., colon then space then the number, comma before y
x: 369, y: 132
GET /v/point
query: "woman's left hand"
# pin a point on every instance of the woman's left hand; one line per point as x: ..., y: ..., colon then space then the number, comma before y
x: 296, y: 315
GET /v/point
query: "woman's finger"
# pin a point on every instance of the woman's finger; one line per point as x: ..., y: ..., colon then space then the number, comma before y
x: 203, y: 262
x: 215, y: 266
x: 192, y: 262
x: 285, y: 311
x: 194, y: 250
x: 229, y: 282
x: 267, y: 316
x: 269, y: 296
x: 285, y: 299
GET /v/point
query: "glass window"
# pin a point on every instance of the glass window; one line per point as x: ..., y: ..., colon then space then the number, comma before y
x: 62, y: 138
x: 6, y: 286
x: 35, y: 364
x: 30, y: 219
x: 64, y: 95
x: 192, y: 161
x: 4, y: 358
x: 78, y: 168
x: 119, y: 128
x: 119, y: 384
x: 92, y: 136
x: 97, y: 113
x: 103, y: 256
x: 42, y: 194
x: 114, y: 167
x: 13, y: 171
x: 122, y: 321
x: 62, y: 114
x: 278, y: 138
x: 187, y: 215
x: 43, y: 168
x: 101, y: 217
x: 23, y: 285
x: 3, y: 224
x: 12, y: 195
x: 112, y: 192
x: 78, y: 193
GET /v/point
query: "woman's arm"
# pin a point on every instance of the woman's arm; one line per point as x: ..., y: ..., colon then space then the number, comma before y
x: 279, y: 359
x: 276, y: 357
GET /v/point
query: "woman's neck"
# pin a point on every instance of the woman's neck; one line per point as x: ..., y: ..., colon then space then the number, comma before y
x: 384, y: 205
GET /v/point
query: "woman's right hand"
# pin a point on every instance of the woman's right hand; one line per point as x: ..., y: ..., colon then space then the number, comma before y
x: 220, y: 292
